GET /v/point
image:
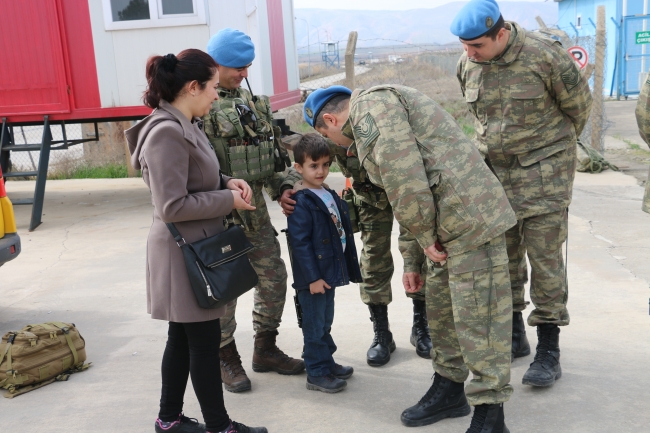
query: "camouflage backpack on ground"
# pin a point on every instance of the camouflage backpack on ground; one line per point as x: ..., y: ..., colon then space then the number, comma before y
x: 40, y: 354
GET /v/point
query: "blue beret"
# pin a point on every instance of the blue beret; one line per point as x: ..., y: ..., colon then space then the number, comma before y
x: 475, y: 19
x: 317, y: 100
x: 231, y: 48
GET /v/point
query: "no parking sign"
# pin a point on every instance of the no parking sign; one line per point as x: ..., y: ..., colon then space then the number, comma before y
x: 580, y: 55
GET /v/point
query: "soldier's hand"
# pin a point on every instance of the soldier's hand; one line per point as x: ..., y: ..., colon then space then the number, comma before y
x: 239, y: 202
x: 434, y: 254
x: 243, y: 188
x: 318, y: 286
x: 286, y: 202
x: 412, y: 282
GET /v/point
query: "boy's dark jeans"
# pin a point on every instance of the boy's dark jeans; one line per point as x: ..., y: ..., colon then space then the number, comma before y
x: 317, y: 318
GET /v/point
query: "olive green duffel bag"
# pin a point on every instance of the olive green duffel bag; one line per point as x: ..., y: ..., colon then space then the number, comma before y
x: 40, y: 354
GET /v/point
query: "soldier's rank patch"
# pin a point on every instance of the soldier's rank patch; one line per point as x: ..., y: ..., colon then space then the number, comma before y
x: 571, y: 78
x: 489, y: 22
x: 366, y: 130
x: 310, y: 113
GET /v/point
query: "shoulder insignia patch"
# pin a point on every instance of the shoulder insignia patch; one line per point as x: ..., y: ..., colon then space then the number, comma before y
x: 571, y: 78
x: 366, y: 130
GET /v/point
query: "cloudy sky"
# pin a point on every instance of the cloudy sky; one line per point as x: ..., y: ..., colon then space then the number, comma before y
x: 372, y: 4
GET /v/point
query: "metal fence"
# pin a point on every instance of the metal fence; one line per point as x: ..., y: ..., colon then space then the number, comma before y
x: 59, y: 159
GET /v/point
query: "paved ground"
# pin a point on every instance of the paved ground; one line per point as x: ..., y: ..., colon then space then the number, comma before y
x: 85, y: 265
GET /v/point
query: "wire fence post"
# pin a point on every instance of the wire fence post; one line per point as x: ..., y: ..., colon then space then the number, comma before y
x: 599, y: 71
x: 349, y: 60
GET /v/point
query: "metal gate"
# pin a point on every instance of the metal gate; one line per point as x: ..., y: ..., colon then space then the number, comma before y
x: 634, y: 54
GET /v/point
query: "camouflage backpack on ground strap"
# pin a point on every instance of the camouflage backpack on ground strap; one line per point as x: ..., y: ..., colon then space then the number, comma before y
x: 40, y: 354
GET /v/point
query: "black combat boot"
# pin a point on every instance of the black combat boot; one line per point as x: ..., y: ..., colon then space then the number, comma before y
x: 545, y: 369
x: 383, y: 344
x: 488, y: 418
x: 520, y: 345
x: 445, y: 399
x: 420, y: 332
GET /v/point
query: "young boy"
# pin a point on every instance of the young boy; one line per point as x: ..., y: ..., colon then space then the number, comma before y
x: 325, y: 257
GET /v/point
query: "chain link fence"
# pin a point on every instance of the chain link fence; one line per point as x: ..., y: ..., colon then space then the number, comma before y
x: 61, y: 159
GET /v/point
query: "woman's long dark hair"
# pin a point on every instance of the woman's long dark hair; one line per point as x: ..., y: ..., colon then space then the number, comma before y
x: 167, y: 75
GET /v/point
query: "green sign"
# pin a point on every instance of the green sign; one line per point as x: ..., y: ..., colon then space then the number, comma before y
x: 643, y: 37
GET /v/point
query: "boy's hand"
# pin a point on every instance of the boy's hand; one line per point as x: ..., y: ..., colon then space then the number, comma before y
x: 412, y: 282
x: 318, y: 286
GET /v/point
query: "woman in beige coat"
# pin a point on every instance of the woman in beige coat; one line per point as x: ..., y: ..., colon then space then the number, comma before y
x: 182, y: 171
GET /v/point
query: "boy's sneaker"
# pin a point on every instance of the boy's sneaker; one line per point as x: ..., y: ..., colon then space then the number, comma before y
x: 236, y: 427
x: 342, y: 372
x: 182, y: 425
x: 328, y: 383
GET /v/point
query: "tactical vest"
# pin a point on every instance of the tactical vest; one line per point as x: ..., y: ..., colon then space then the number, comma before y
x: 240, y: 128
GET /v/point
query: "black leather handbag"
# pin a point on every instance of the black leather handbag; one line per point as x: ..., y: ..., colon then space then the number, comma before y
x: 218, y: 267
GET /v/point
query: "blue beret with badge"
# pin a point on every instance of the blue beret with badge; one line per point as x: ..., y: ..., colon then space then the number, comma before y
x: 475, y: 19
x: 231, y: 48
x: 317, y: 100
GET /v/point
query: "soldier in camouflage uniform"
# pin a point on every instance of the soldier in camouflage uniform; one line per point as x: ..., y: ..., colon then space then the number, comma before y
x: 374, y: 218
x: 530, y: 104
x: 445, y: 196
x: 643, y: 121
x: 239, y: 127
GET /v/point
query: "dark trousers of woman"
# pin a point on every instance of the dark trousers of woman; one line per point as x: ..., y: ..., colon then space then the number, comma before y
x: 193, y: 348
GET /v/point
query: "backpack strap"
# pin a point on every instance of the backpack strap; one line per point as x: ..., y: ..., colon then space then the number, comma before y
x: 7, y: 351
x: 66, y: 332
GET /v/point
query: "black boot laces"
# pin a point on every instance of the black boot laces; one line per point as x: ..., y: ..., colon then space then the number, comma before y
x: 544, y: 355
x: 479, y: 418
x: 432, y: 392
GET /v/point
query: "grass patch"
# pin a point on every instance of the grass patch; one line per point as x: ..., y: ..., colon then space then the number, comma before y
x: 632, y: 145
x: 107, y: 171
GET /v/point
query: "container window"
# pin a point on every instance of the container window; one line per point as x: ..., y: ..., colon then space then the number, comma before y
x: 142, y: 14
x: 129, y: 10
x: 177, y: 7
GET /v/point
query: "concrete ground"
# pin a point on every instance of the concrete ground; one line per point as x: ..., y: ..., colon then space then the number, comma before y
x: 85, y: 265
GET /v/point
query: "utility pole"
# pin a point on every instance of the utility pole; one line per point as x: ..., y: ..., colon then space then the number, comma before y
x: 349, y: 59
x: 597, y: 107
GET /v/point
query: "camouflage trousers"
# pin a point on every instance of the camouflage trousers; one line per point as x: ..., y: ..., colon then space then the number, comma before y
x: 270, y: 293
x: 469, y: 307
x: 376, y: 261
x: 541, y: 238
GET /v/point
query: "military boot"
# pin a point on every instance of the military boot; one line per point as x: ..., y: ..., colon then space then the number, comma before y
x: 268, y: 357
x: 488, y: 418
x: 520, y: 345
x: 445, y: 399
x: 545, y: 369
x: 233, y: 375
x: 383, y: 344
x: 420, y: 332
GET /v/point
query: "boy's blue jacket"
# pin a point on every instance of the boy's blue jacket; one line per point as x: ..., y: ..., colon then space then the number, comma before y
x: 316, y: 245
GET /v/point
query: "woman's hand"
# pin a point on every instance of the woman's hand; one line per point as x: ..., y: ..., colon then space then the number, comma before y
x: 239, y: 202
x: 243, y: 188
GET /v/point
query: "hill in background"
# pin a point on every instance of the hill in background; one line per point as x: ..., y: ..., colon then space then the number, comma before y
x: 416, y: 26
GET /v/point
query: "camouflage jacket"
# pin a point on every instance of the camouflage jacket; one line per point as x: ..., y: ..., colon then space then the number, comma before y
x: 643, y: 121
x: 529, y: 104
x: 346, y: 159
x: 434, y: 177
x: 220, y: 129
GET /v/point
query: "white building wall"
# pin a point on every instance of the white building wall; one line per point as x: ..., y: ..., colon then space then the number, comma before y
x: 121, y: 55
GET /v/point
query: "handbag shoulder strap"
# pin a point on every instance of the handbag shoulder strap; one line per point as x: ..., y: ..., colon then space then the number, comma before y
x: 176, y: 234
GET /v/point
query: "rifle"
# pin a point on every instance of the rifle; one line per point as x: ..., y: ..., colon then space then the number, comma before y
x: 296, y: 302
